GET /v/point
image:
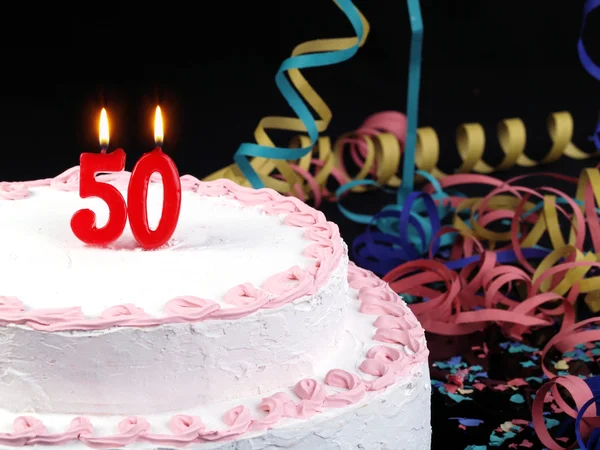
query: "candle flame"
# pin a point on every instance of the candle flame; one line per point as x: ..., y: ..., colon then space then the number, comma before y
x: 158, y: 128
x: 104, y: 135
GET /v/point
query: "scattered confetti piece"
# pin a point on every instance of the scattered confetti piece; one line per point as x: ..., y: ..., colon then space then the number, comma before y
x: 518, y: 347
x: 536, y: 379
x: 455, y: 379
x: 451, y: 388
x: 517, y: 398
x: 458, y: 398
x: 479, y: 386
x: 476, y: 447
x: 561, y: 365
x: 467, y: 422
x: 465, y: 391
x: 527, y: 364
x: 526, y: 444
x: 551, y: 423
x: 521, y: 422
x: 517, y: 382
x: 508, y: 426
x: 497, y: 441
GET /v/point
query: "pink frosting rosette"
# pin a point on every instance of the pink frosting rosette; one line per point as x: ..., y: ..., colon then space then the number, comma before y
x: 288, y: 285
x: 190, y: 308
x: 238, y: 419
x: 355, y: 388
x: 287, y: 206
x: 247, y: 300
x: 181, y: 425
x: 312, y: 395
x: 67, y: 181
x: 133, y: 425
x: 123, y: 311
x: 212, y: 189
x: 304, y: 219
x: 251, y: 197
x: 189, y: 183
x: 10, y: 305
x: 13, y: 191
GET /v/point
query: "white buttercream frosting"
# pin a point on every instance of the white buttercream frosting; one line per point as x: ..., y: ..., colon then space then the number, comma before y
x: 218, y: 244
x: 369, y: 382
x: 396, y: 418
x: 171, y: 367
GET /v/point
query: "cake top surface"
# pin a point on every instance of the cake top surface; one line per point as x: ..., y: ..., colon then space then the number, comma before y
x: 235, y: 250
x: 217, y: 244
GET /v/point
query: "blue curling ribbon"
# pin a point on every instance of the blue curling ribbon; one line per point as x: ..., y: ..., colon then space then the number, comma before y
x: 594, y: 439
x: 249, y: 150
x: 587, y: 62
x: 412, y: 97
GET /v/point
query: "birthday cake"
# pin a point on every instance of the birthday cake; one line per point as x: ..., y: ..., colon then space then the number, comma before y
x: 248, y: 329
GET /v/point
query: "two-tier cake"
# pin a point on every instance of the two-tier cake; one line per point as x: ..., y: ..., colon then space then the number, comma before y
x: 248, y: 330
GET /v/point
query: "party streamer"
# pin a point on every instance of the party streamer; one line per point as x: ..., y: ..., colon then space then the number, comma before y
x: 587, y: 62
x: 267, y: 158
x: 375, y: 150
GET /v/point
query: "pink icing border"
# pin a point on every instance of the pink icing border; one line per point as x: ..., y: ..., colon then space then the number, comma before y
x: 282, y: 288
x: 395, y: 324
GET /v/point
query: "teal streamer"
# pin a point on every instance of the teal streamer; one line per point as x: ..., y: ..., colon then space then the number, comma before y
x: 296, y: 102
x: 412, y: 97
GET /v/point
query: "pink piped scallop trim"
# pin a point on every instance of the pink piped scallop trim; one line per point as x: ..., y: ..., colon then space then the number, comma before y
x: 388, y: 365
x: 325, y: 247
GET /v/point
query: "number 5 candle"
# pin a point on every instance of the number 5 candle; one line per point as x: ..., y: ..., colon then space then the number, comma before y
x: 83, y: 222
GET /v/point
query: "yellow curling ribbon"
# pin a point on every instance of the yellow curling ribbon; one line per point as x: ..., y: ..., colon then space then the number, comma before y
x: 380, y: 157
x: 265, y: 167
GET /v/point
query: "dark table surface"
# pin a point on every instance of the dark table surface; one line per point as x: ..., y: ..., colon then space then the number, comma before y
x: 212, y: 72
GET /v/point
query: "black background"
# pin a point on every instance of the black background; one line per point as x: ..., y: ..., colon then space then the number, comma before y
x: 211, y: 65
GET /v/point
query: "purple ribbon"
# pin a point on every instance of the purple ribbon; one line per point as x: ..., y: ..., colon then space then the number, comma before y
x: 593, y: 442
x: 588, y: 63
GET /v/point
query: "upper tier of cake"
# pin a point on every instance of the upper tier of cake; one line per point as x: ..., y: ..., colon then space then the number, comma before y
x: 217, y: 245
x: 247, y: 296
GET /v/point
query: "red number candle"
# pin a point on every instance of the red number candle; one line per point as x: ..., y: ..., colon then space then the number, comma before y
x: 137, y: 194
x: 83, y: 222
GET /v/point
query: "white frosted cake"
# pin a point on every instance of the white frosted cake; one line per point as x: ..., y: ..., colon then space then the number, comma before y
x: 248, y: 330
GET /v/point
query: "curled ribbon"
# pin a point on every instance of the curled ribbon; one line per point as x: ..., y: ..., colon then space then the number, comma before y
x: 269, y: 166
x: 586, y: 395
x: 299, y: 95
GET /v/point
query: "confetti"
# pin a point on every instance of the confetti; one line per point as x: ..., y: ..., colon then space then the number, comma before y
x: 527, y: 364
x: 458, y: 398
x: 551, y: 423
x: 518, y: 347
x: 517, y: 398
x: 467, y: 422
x: 497, y: 441
x: 517, y: 382
x: 561, y: 365
x: 535, y: 379
x: 509, y: 426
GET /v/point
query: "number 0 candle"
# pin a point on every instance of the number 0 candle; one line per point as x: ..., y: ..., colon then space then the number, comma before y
x: 137, y: 194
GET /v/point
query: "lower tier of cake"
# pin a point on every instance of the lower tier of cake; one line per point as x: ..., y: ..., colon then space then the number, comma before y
x: 372, y: 393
